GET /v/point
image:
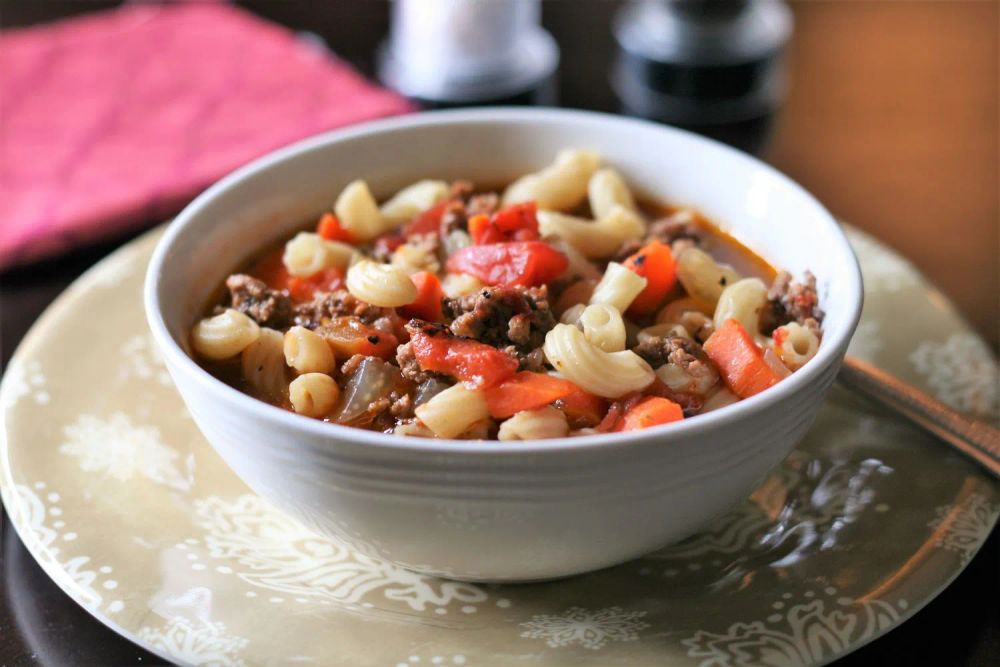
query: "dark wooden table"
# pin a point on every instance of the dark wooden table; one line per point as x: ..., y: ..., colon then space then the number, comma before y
x: 891, y: 120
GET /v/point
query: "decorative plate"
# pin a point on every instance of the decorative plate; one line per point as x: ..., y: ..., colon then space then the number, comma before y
x: 128, y: 509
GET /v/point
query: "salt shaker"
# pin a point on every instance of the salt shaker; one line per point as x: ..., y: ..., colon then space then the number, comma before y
x: 462, y: 52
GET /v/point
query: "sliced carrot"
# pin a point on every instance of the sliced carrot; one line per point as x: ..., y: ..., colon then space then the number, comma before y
x: 655, y: 263
x: 428, y: 304
x: 740, y: 361
x: 526, y: 391
x: 582, y: 408
x: 271, y: 269
x: 650, y: 411
x: 329, y: 228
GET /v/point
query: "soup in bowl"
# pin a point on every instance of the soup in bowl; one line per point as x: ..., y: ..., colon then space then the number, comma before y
x: 603, y: 333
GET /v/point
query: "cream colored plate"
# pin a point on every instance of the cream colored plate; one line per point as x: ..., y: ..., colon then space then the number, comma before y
x: 116, y: 494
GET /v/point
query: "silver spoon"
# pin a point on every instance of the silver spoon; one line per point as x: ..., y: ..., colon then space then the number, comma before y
x: 976, y: 439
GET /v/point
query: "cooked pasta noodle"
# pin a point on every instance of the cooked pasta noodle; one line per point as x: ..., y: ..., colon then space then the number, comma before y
x: 412, y: 200
x: 358, y: 212
x: 416, y: 255
x: 307, y: 352
x: 546, y: 422
x: 263, y: 365
x: 795, y: 344
x: 703, y: 277
x: 720, y: 399
x: 579, y: 266
x: 224, y: 335
x: 618, y: 288
x: 414, y: 428
x: 313, y: 394
x: 663, y: 331
x: 560, y: 186
x: 453, y: 411
x: 603, y: 326
x: 309, y: 253
x: 573, y: 313
x: 598, y: 239
x: 380, y: 284
x: 743, y: 301
x: 608, y: 374
x: 455, y: 285
x: 606, y: 189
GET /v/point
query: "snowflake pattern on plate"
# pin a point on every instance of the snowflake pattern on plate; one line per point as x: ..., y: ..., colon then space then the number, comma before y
x: 807, y: 633
x: 142, y: 360
x: 961, y: 372
x: 21, y: 380
x: 882, y: 271
x: 591, y: 629
x: 121, y: 450
x: 195, y: 642
x: 964, y: 526
x: 279, y: 554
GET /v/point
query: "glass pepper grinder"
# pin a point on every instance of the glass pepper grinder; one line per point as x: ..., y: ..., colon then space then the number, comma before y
x: 713, y: 66
x: 466, y: 52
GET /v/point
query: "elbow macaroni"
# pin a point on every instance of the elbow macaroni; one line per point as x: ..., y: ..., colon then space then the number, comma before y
x: 224, y: 335
x: 596, y: 239
x: 455, y: 285
x: 453, y: 411
x: 606, y: 189
x: 607, y: 374
x: 603, y: 326
x: 380, y: 284
x: 618, y: 288
x: 307, y: 352
x: 314, y: 394
x: 412, y: 200
x: 703, y: 277
x: 798, y: 344
x: 539, y: 424
x: 742, y: 301
x: 308, y: 253
x: 560, y: 186
x: 263, y: 365
x: 358, y: 212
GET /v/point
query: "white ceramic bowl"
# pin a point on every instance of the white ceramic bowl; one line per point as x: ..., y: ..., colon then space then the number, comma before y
x: 500, y: 511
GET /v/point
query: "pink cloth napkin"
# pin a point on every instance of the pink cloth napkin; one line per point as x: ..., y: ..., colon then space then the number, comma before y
x: 121, y: 117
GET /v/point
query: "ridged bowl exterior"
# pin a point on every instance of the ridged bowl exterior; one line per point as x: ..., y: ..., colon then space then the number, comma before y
x: 497, y: 511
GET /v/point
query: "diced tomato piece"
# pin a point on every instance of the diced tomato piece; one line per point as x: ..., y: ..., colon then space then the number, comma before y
x: 655, y: 263
x: 741, y: 362
x: 348, y: 336
x: 387, y: 243
x: 514, y: 223
x: 582, y: 408
x: 470, y: 361
x: 650, y: 411
x: 428, y: 304
x: 428, y: 222
x: 526, y: 391
x: 329, y: 228
x: 525, y: 263
x: 271, y: 269
x: 304, y: 289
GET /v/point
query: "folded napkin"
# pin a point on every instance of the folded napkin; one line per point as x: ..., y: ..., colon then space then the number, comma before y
x: 121, y: 117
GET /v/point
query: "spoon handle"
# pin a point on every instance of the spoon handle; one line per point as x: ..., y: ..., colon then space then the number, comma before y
x: 976, y: 439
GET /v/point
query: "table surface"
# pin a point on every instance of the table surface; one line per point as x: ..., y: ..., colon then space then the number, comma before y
x: 891, y: 120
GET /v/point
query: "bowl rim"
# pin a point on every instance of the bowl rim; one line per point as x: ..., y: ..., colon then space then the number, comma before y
x: 230, y: 397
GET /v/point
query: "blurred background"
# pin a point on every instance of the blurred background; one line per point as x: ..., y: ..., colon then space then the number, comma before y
x: 889, y: 115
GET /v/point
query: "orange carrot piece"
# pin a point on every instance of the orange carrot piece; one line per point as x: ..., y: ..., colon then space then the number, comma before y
x: 428, y: 304
x: 650, y: 411
x: 582, y: 408
x: 740, y: 361
x: 526, y: 391
x: 655, y: 263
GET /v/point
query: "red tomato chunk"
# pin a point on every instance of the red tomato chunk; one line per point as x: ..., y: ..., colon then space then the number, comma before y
x: 470, y: 361
x: 524, y: 263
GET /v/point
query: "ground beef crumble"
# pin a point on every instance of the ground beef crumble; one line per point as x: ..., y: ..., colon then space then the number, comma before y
x: 675, y: 231
x: 268, y: 307
x: 339, y: 303
x: 792, y: 301
x: 503, y: 316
